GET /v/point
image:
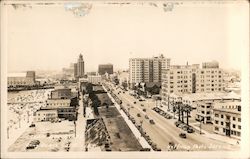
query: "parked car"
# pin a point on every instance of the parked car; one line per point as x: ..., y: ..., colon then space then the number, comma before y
x: 177, y: 123
x: 139, y: 115
x: 134, y: 102
x: 151, y: 121
x: 32, y: 125
x: 183, y: 135
x: 145, y: 149
x: 146, y: 117
x: 144, y: 110
x: 190, y: 130
x: 142, y: 105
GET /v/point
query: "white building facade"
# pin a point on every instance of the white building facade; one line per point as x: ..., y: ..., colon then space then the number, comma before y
x: 227, y: 122
x: 147, y: 69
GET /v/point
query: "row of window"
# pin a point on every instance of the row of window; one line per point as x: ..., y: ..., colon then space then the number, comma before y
x: 232, y: 132
x: 227, y: 117
x: 230, y: 107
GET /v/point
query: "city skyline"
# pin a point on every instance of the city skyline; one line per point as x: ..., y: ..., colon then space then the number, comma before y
x: 107, y: 35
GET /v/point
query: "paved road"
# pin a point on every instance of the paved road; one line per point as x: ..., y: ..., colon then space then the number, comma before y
x: 164, y: 130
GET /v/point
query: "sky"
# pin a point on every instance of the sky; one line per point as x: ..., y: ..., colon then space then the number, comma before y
x: 50, y: 37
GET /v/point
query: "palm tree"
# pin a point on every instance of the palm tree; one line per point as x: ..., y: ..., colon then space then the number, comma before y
x: 187, y: 109
x: 182, y: 112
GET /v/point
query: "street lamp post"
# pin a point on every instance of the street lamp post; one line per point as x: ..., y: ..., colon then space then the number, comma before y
x: 8, y: 129
x: 201, y: 119
x: 19, y: 119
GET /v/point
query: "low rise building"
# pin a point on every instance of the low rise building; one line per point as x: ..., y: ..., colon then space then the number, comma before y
x: 94, y: 79
x: 227, y: 122
x: 204, y: 111
x: 45, y: 115
x: 57, y: 103
x: 21, y: 79
x: 62, y: 93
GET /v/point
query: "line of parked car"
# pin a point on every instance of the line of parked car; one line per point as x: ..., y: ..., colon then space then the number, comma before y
x: 184, y: 126
x: 162, y: 113
x: 143, y: 133
x: 33, y: 144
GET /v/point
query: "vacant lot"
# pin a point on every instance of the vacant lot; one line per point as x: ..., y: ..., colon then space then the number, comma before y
x: 122, y: 138
x: 59, y: 138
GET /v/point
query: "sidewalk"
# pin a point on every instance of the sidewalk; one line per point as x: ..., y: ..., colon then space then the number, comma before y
x: 78, y: 143
x: 132, y: 127
x: 213, y: 136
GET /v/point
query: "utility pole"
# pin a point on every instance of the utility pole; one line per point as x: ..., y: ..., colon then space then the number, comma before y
x: 8, y: 129
x: 75, y: 127
x: 179, y: 111
x: 168, y: 102
x: 19, y: 119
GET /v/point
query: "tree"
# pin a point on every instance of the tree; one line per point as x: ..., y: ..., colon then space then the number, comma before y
x: 125, y: 84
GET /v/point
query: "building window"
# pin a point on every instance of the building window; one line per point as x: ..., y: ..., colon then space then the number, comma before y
x: 216, y: 121
x: 239, y: 127
x: 238, y: 133
x: 221, y: 123
x: 239, y: 119
x: 233, y: 118
x: 233, y: 125
x: 216, y: 128
x: 224, y: 130
x: 222, y: 116
x: 216, y: 115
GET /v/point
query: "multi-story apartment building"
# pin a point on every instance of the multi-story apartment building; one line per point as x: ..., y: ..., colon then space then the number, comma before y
x: 192, y: 79
x: 147, y: 69
x: 227, y: 121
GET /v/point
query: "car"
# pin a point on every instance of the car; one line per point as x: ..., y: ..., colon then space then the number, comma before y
x: 151, y: 121
x: 146, y: 117
x: 142, y: 105
x: 134, y: 102
x: 145, y: 149
x: 158, y: 149
x: 133, y: 121
x: 190, y: 130
x: 168, y: 117
x: 144, y: 110
x: 30, y: 147
x: 139, y: 115
x: 32, y: 125
x: 183, y: 135
x: 177, y: 123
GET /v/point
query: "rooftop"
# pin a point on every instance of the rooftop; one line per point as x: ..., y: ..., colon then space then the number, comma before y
x: 227, y: 110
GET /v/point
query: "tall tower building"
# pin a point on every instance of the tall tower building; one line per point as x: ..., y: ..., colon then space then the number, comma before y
x: 79, y: 67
